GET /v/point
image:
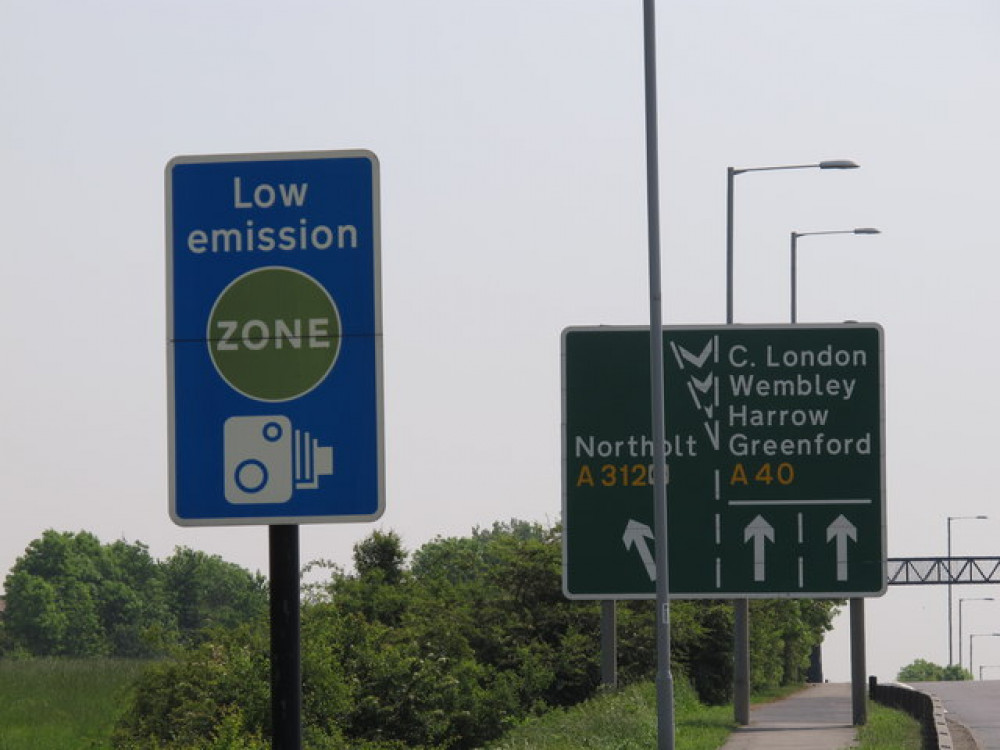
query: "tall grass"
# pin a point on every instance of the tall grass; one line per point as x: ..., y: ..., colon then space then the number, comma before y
x: 888, y: 729
x: 626, y: 720
x: 623, y: 720
x: 62, y: 704
x: 72, y: 704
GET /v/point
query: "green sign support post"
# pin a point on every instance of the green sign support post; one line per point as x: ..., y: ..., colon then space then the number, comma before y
x: 775, y: 452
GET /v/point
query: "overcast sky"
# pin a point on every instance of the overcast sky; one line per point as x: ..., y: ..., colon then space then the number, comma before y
x: 510, y: 138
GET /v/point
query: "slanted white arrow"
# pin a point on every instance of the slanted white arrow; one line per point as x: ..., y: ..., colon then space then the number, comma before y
x: 758, y: 530
x: 636, y: 535
x: 840, y: 530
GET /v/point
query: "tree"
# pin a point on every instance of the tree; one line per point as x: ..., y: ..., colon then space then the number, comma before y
x: 52, y: 600
x: 70, y: 595
x: 921, y: 670
x: 204, y: 591
x: 381, y: 553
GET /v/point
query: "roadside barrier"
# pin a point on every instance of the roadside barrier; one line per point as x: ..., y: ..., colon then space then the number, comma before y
x: 927, y: 709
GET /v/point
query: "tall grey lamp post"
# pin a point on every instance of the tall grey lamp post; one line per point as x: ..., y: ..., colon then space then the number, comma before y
x: 858, y: 702
x: 950, y: 636
x: 978, y: 635
x: 962, y: 601
x: 731, y: 173
x: 794, y: 264
x: 741, y: 607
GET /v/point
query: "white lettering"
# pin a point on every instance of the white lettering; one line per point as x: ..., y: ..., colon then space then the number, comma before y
x: 801, y: 385
x: 238, y: 201
x: 197, y: 241
x: 292, y: 335
x: 825, y: 357
x: 247, y: 334
x: 252, y: 238
x: 228, y: 329
x: 732, y: 355
x: 818, y: 445
x: 295, y: 194
x: 256, y: 335
x: 635, y: 446
x: 265, y: 196
x: 319, y: 337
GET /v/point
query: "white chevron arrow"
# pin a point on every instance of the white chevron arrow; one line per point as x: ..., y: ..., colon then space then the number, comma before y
x: 758, y: 530
x: 636, y: 535
x: 841, y: 529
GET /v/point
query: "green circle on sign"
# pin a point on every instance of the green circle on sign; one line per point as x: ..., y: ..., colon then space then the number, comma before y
x: 274, y: 334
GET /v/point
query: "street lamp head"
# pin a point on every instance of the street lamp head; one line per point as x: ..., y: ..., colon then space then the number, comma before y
x: 838, y: 164
x: 867, y: 230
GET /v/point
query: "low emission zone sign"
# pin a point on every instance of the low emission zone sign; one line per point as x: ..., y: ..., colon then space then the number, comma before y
x: 775, y: 454
x: 274, y: 338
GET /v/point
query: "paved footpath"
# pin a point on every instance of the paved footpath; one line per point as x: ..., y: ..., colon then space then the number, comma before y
x: 817, y: 718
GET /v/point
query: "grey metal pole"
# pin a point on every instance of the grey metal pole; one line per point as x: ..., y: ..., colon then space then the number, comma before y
x: 793, y: 265
x: 730, y: 179
x: 664, y: 678
x: 950, y: 660
x: 286, y: 657
x: 950, y: 575
x: 741, y: 607
x: 962, y: 601
x: 978, y: 635
x: 858, y: 668
x: 741, y: 661
x: 960, y: 632
x: 609, y: 644
x: 794, y: 295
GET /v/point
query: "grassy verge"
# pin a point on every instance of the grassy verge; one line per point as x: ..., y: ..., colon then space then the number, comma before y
x: 62, y: 704
x: 889, y: 730
x: 66, y: 704
x: 623, y: 720
x: 626, y: 720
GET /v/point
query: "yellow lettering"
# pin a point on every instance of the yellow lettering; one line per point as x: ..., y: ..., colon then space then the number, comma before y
x: 739, y: 475
x: 609, y: 478
x: 763, y: 474
x: 585, y: 478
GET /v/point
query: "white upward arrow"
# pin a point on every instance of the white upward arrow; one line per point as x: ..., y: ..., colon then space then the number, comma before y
x: 840, y: 530
x: 758, y: 530
x: 636, y: 535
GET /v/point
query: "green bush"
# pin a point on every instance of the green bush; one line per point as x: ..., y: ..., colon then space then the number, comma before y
x: 473, y: 637
x: 921, y: 670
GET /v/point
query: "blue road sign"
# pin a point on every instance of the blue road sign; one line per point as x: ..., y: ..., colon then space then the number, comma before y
x: 274, y: 338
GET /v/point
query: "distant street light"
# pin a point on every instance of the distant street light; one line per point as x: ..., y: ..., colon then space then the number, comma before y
x: 961, y: 601
x: 794, y: 262
x: 978, y: 635
x: 731, y: 173
x: 950, y: 618
x: 986, y: 666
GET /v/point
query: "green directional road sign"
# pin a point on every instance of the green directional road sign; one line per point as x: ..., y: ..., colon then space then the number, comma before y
x: 775, y: 458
